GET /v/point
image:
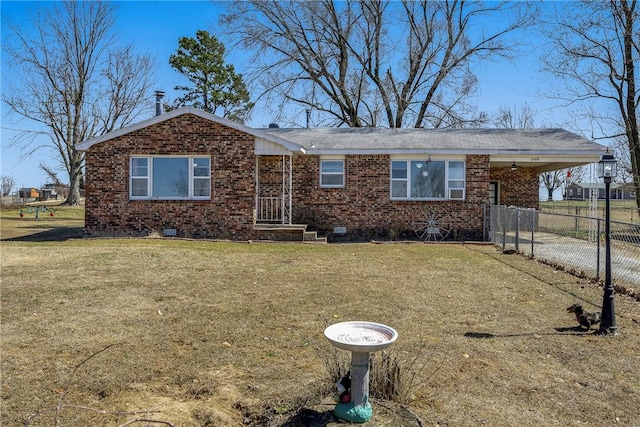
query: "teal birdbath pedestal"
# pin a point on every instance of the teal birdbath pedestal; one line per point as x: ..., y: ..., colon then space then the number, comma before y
x: 360, y: 338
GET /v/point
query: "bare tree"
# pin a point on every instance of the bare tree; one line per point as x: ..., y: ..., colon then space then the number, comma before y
x: 58, y: 185
x: 71, y: 77
x: 595, y: 46
x: 524, y: 118
x: 621, y: 153
x: 557, y: 179
x: 365, y: 62
x: 512, y: 118
x: 6, y: 184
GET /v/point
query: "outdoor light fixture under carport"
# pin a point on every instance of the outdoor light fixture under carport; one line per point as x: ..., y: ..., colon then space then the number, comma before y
x: 607, y: 170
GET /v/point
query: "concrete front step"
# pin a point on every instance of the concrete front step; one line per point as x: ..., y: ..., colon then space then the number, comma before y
x: 312, y: 237
x: 289, y: 232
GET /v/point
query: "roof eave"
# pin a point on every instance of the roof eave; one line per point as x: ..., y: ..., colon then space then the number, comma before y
x: 289, y: 145
x: 456, y: 151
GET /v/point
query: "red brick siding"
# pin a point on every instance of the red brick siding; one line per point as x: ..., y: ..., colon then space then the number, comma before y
x: 364, y: 206
x: 270, y: 175
x: 229, y: 213
x: 517, y: 188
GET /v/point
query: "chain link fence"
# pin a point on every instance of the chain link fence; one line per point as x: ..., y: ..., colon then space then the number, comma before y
x: 15, y: 200
x: 573, y: 241
x: 627, y: 212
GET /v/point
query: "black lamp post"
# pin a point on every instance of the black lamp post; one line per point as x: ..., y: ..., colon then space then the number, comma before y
x: 607, y: 169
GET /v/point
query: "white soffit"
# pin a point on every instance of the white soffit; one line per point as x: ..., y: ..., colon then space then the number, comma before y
x: 574, y: 158
x: 265, y: 147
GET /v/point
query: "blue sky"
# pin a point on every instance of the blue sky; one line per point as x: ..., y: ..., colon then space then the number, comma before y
x: 155, y: 26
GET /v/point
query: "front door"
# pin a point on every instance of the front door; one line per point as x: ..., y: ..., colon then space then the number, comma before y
x: 494, y: 198
x: 273, y: 189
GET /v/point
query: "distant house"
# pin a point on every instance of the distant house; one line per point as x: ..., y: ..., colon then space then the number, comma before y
x: 192, y: 174
x: 582, y: 191
x: 28, y: 193
x: 48, y: 192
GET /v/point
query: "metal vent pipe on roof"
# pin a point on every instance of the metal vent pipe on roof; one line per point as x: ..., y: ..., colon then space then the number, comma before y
x: 159, y: 96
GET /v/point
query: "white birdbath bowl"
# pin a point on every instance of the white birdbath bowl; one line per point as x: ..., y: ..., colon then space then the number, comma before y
x: 360, y: 338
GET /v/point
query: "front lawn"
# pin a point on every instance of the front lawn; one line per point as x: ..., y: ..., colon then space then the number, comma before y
x: 197, y: 333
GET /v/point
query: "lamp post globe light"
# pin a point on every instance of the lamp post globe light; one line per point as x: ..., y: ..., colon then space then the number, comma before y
x: 607, y: 170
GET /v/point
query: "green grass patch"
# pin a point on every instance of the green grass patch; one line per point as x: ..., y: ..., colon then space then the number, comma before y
x: 67, y: 221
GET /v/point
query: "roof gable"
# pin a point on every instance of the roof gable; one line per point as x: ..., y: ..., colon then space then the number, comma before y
x: 258, y: 133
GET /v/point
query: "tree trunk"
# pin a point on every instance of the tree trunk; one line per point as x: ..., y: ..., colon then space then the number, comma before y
x: 633, y: 134
x: 73, y: 198
x: 75, y: 177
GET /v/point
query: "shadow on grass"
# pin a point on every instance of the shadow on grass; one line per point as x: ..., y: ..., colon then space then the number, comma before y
x: 311, y: 418
x: 58, y: 234
x: 573, y: 330
x: 386, y: 414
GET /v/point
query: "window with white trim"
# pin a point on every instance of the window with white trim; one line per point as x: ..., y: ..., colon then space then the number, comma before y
x: 332, y: 173
x: 428, y: 180
x: 170, y: 177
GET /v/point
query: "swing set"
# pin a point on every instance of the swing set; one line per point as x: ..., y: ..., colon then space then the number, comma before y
x: 37, y: 211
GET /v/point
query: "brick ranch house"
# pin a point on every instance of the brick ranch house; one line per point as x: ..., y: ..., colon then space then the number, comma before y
x: 188, y: 173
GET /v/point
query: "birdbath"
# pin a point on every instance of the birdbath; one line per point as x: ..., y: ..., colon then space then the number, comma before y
x: 360, y: 338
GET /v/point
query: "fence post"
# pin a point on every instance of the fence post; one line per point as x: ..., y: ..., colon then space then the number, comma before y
x: 517, y: 242
x: 504, y: 228
x: 484, y: 222
x: 598, y: 252
x: 534, y: 215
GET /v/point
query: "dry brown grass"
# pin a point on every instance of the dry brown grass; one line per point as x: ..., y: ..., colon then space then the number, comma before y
x: 214, y: 334
x: 621, y: 210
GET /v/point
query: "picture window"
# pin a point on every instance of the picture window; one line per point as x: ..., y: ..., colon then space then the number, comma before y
x: 170, y: 178
x: 428, y: 180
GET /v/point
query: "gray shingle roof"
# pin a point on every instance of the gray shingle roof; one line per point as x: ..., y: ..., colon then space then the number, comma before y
x: 599, y: 185
x: 469, y: 141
